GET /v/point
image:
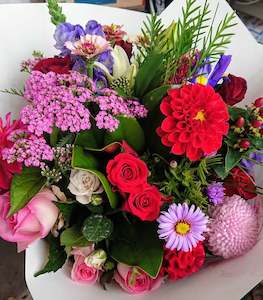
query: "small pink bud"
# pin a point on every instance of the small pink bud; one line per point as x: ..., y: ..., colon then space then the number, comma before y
x: 240, y: 122
x: 244, y: 144
x: 259, y: 102
x: 256, y: 123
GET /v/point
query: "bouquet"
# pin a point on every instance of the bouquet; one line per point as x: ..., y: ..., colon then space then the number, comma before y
x: 130, y: 157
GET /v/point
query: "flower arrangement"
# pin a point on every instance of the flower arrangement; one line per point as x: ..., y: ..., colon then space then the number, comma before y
x: 130, y: 157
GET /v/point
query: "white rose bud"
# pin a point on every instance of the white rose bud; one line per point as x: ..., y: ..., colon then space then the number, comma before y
x: 83, y: 185
x: 173, y: 164
x: 96, y: 259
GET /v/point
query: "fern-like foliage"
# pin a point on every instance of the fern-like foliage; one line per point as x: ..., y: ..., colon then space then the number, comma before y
x: 55, y: 12
x: 13, y: 91
x: 67, y: 139
x: 151, y: 37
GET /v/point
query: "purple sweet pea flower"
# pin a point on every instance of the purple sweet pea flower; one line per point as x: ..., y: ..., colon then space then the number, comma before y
x: 106, y: 59
x: 79, y: 65
x: 94, y: 28
x: 249, y: 164
x: 67, y: 32
x: 219, y: 69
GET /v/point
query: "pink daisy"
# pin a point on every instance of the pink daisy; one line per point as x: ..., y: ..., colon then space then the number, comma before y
x: 182, y: 227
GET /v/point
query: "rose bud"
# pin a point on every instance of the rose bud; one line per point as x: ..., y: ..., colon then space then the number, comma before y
x: 244, y: 144
x: 112, y: 148
x: 259, y: 102
x: 261, y: 113
x: 256, y: 123
x: 233, y: 89
x: 96, y: 259
x: 240, y: 122
x: 58, y: 65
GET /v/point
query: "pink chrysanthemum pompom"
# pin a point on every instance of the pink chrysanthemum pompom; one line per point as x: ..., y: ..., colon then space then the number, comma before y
x: 234, y: 228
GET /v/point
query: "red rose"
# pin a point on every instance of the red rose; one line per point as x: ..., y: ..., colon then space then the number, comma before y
x: 240, y: 183
x: 180, y: 264
x: 59, y: 65
x: 127, y: 47
x: 233, y: 89
x: 145, y: 205
x: 127, y: 172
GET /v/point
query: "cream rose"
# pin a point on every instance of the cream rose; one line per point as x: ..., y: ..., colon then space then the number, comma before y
x: 83, y: 185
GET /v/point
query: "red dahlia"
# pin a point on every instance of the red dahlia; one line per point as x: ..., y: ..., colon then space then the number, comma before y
x: 196, y: 120
x: 180, y: 264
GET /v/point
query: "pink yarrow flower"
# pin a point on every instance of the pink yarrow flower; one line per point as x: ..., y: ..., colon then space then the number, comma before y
x: 89, y: 46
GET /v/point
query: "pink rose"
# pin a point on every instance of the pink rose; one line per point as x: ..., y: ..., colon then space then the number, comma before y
x: 31, y: 223
x: 82, y: 273
x: 134, y: 281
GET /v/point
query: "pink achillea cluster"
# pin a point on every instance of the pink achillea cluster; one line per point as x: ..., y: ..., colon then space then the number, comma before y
x: 31, y: 151
x: 61, y: 100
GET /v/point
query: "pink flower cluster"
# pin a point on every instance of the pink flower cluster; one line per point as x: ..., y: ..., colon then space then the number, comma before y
x: 56, y: 100
x: 31, y: 151
x: 61, y: 100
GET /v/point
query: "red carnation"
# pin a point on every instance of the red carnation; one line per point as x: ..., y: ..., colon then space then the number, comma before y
x: 179, y: 264
x: 59, y: 65
x: 233, y: 89
x: 146, y: 204
x: 240, y: 183
x: 196, y: 120
x: 127, y: 172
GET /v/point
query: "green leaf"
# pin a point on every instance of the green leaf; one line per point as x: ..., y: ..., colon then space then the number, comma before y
x: 129, y: 130
x: 56, y: 259
x: 73, y: 237
x: 220, y: 171
x: 54, y: 136
x: 257, y: 142
x: 147, y: 74
x: 90, y: 139
x: 66, y: 209
x: 55, y: 12
x: 24, y: 186
x: 138, y: 245
x: 80, y: 161
x: 153, y: 99
x: 83, y: 159
x: 97, y: 228
x: 232, y: 158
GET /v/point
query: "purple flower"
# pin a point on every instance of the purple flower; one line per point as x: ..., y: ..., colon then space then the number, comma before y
x: 106, y: 59
x: 100, y: 79
x: 219, y: 69
x: 182, y: 227
x: 215, y: 192
x: 248, y: 164
x: 79, y: 65
x: 93, y: 27
x: 67, y: 32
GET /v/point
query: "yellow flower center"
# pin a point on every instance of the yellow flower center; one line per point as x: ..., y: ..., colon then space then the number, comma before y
x: 182, y: 228
x: 202, y: 80
x: 200, y: 116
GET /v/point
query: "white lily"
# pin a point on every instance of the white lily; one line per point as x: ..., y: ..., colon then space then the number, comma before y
x: 121, y: 66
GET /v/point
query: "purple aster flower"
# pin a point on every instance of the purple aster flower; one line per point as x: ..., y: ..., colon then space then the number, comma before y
x: 182, y: 227
x: 66, y: 32
x: 219, y: 69
x: 215, y: 192
x: 93, y: 27
x: 249, y: 164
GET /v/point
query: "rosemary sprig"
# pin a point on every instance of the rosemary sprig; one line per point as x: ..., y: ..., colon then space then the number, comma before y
x: 13, y: 91
x: 55, y: 12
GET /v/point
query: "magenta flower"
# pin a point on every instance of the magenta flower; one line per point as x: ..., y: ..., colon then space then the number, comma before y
x: 182, y: 227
